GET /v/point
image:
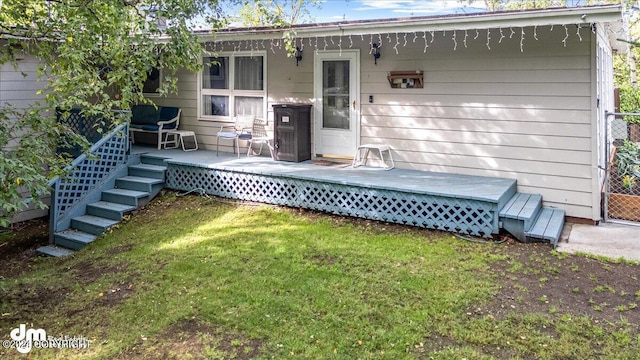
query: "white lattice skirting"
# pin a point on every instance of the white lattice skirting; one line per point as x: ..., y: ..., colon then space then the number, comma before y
x: 472, y: 217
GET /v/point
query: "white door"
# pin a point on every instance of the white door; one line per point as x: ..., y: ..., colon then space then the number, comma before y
x: 337, y: 105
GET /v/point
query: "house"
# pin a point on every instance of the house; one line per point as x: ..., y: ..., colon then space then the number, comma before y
x: 516, y: 94
x: 19, y: 86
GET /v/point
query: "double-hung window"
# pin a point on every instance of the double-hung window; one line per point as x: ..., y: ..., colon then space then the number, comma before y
x: 231, y: 85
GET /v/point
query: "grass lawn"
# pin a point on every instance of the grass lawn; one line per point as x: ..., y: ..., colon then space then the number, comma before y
x: 191, y: 277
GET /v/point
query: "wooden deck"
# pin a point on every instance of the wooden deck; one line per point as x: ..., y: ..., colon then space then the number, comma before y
x: 491, y: 189
x: 452, y: 202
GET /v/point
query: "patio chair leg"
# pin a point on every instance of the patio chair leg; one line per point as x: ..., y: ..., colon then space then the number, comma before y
x: 217, y: 142
x: 271, y: 148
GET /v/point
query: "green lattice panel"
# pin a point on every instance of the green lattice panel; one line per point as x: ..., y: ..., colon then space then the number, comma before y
x: 466, y: 216
x: 85, y: 176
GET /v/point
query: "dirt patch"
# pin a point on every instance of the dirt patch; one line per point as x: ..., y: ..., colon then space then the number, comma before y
x: 191, y: 339
x: 536, y: 279
x: 117, y: 293
x: 18, y: 251
x: 322, y: 260
x: 20, y: 302
x: 439, y: 343
x: 120, y: 249
x: 87, y: 272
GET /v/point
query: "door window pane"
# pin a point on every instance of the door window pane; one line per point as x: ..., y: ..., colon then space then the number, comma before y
x: 215, y: 74
x: 248, y: 73
x: 215, y: 105
x: 336, y: 111
x: 249, y: 106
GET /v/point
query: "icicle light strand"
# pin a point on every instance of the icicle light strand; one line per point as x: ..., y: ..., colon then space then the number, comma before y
x: 522, y: 40
x: 566, y: 31
x: 395, y: 47
x: 501, y: 36
x: 488, y: 39
x: 426, y: 45
x: 455, y: 41
x: 371, y: 45
x: 578, y: 32
x: 464, y: 41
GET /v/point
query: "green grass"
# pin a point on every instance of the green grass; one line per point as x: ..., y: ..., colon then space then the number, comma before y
x: 198, y: 279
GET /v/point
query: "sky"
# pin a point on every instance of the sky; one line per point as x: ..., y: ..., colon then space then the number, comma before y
x: 349, y: 10
x: 337, y: 10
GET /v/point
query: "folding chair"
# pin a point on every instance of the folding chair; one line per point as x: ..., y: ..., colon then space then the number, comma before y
x: 240, y: 130
x: 259, y: 135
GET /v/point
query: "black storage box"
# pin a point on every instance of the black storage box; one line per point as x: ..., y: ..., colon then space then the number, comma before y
x: 292, y: 130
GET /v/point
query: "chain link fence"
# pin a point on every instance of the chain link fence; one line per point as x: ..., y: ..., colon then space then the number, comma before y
x: 622, y: 196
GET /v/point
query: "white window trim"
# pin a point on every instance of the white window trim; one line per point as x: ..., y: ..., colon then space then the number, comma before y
x: 231, y: 92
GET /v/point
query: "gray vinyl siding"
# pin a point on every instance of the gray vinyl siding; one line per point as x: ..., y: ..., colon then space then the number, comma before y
x: 495, y: 112
x: 498, y: 112
x: 22, y: 91
x: 18, y: 89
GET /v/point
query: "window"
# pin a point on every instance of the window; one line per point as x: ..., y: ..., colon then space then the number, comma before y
x: 232, y: 85
x: 152, y: 84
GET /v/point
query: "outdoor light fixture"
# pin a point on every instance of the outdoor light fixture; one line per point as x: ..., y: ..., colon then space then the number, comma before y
x: 375, y: 51
x: 298, y: 55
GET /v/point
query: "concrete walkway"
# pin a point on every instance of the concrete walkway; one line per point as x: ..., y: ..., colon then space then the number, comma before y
x: 608, y: 239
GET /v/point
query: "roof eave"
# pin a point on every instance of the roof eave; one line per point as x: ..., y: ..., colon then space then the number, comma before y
x: 563, y: 16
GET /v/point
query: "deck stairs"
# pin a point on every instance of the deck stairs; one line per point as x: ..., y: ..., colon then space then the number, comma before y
x: 524, y: 217
x: 143, y: 182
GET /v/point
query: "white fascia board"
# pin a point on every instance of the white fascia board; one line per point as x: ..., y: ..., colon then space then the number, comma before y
x: 565, y: 16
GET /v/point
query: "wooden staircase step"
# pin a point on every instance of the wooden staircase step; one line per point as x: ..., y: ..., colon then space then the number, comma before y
x: 153, y: 160
x: 521, y: 206
x: 124, y: 196
x: 92, y: 224
x: 148, y: 170
x: 548, y: 226
x: 73, y: 239
x: 109, y: 210
x: 138, y: 183
x: 54, y: 251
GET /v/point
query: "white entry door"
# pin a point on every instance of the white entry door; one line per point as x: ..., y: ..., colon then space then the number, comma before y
x: 337, y: 105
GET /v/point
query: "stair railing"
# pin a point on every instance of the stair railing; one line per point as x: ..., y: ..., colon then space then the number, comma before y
x: 86, y: 173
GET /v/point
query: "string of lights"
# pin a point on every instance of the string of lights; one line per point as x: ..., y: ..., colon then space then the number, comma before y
x: 401, y: 40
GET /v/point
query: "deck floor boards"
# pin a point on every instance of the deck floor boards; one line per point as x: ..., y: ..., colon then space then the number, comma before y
x: 490, y: 189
